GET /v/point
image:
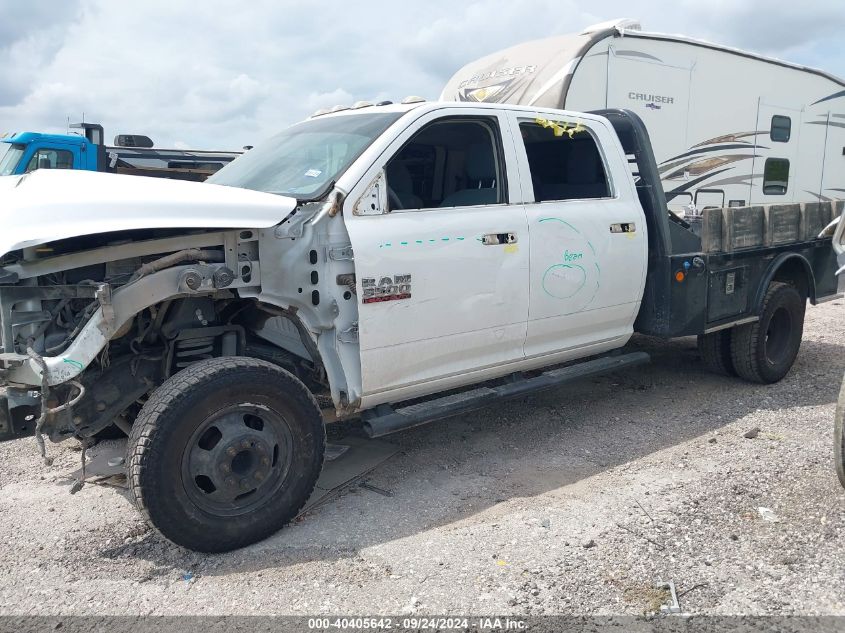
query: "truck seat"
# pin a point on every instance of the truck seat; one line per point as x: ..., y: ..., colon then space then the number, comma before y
x: 584, y: 176
x: 481, y: 175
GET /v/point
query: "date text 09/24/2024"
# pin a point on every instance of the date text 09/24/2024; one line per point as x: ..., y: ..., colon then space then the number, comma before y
x: 417, y: 623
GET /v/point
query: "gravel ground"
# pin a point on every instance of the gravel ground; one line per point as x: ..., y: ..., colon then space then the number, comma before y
x: 574, y: 501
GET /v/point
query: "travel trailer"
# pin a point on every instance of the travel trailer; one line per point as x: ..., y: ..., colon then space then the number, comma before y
x: 728, y: 127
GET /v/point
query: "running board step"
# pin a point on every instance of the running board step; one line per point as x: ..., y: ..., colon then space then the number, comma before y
x: 384, y: 420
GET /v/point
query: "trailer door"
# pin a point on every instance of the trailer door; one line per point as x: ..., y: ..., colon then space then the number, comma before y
x: 833, y: 168
x: 657, y: 89
x: 776, y: 171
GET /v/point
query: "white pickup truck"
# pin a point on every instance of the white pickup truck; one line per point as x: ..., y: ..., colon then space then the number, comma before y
x: 367, y: 260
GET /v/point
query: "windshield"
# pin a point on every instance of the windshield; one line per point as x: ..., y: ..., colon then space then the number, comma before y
x: 305, y: 159
x: 10, y: 159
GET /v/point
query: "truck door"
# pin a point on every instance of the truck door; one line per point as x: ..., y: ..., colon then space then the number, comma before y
x: 49, y: 156
x: 776, y: 170
x: 588, y: 234
x: 442, y: 272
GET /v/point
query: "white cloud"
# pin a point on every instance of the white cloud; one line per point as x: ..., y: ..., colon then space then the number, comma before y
x: 219, y: 75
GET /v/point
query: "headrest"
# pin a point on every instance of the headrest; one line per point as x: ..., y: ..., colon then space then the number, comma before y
x: 480, y: 162
x: 583, y: 165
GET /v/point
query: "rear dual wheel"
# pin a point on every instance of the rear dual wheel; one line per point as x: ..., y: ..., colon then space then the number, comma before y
x: 715, y: 350
x: 225, y: 453
x: 763, y: 351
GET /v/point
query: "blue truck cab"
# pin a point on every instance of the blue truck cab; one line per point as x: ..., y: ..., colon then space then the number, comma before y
x: 131, y: 154
x: 29, y: 151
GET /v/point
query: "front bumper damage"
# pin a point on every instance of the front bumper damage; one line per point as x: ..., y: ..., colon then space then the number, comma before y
x: 44, y: 395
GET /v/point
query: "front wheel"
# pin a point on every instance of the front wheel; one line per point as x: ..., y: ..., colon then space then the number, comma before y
x: 225, y: 453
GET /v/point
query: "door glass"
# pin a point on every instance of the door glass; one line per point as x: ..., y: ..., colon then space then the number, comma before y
x: 50, y: 159
x: 563, y: 167
x: 775, y: 176
x: 781, y: 128
x: 453, y: 163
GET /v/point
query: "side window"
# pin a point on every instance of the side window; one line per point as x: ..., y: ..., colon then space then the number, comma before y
x: 563, y: 166
x: 775, y: 176
x: 450, y: 163
x: 781, y: 128
x: 50, y: 159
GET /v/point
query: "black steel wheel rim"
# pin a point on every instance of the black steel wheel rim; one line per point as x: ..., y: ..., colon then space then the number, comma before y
x: 237, y: 459
x: 777, y: 336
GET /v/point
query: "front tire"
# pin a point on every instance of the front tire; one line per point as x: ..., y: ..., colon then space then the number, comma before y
x: 225, y: 453
x: 764, y: 351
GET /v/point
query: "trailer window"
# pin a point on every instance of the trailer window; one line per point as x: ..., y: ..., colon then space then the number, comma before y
x: 781, y: 128
x: 449, y: 163
x: 50, y: 159
x: 775, y: 176
x: 564, y: 167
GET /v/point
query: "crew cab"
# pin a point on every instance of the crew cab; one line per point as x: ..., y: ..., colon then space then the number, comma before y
x: 367, y: 260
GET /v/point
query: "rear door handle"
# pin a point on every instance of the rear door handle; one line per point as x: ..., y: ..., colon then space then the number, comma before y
x: 623, y: 227
x: 494, y: 239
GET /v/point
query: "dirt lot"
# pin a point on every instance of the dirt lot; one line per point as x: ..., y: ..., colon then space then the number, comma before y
x: 573, y: 501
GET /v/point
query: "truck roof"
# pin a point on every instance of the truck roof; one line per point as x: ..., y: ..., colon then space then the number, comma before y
x: 430, y: 106
x: 27, y: 137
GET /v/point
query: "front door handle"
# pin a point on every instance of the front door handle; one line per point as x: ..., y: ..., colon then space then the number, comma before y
x: 494, y: 239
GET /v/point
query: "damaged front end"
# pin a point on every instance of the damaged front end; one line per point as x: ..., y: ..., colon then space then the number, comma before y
x: 82, y: 343
x: 26, y: 408
x: 109, y: 284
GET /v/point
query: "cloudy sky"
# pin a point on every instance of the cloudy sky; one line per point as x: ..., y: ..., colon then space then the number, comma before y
x: 220, y: 74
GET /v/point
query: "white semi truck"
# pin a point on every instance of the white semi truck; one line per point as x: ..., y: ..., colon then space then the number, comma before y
x: 374, y: 258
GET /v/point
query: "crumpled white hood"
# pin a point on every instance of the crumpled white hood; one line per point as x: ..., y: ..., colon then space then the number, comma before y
x: 48, y: 205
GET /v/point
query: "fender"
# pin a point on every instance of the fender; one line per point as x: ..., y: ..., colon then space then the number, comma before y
x: 771, y: 273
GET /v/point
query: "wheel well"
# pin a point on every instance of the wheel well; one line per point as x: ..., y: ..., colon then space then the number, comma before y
x: 796, y: 272
x: 198, y: 328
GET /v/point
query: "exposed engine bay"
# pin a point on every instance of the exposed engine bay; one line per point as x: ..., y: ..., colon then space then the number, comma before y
x: 97, y: 334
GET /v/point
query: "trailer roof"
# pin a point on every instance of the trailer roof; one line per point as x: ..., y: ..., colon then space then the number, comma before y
x: 734, y: 51
x: 538, y: 72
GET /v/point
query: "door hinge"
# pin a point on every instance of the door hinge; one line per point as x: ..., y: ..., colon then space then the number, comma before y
x: 350, y: 335
x: 341, y: 253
